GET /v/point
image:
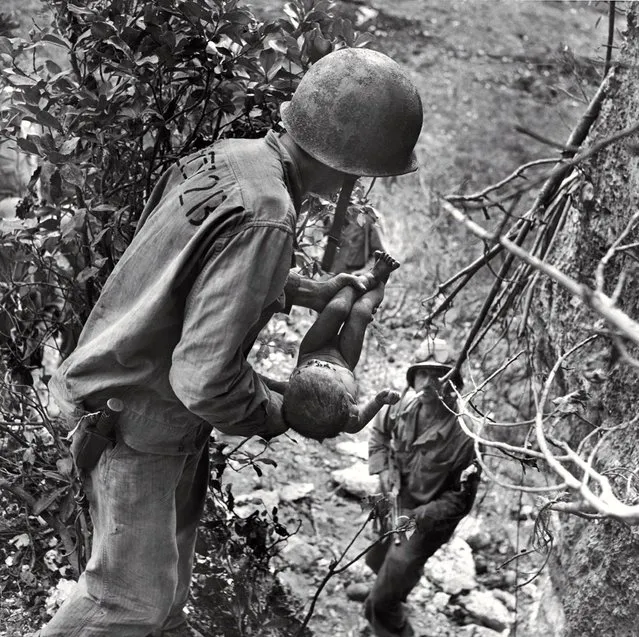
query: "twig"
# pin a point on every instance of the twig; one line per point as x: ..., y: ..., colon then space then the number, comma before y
x: 331, y: 571
x: 517, y: 173
x: 611, y: 36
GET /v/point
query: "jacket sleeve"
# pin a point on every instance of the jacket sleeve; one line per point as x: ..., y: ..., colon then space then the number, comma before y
x: 379, y: 442
x: 209, y: 371
x: 456, y: 502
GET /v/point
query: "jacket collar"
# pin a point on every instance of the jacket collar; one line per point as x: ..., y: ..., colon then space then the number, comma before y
x: 292, y: 176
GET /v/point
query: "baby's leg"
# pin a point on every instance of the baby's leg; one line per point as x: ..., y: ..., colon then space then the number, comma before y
x: 329, y: 321
x: 351, y: 337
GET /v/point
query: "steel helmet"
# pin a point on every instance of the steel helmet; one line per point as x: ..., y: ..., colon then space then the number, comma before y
x: 433, y: 353
x: 358, y: 112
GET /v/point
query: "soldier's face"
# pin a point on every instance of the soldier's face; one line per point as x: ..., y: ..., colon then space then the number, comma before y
x: 427, y: 381
x: 327, y: 181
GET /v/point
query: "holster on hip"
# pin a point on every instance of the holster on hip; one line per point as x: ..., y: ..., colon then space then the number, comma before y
x: 97, y: 435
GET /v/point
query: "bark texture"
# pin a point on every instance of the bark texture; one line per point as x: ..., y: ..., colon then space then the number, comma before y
x: 595, y: 564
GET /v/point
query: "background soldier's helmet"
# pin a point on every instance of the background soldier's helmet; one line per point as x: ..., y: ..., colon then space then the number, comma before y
x: 433, y: 353
x: 358, y: 112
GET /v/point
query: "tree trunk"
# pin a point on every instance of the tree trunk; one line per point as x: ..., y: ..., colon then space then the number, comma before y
x: 594, y: 569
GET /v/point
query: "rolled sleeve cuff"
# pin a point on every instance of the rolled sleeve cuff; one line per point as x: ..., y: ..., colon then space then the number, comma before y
x: 266, y: 422
x: 377, y: 463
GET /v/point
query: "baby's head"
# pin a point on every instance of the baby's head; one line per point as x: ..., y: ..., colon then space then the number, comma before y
x: 319, y: 400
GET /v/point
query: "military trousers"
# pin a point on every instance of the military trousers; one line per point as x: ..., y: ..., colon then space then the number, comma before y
x: 145, y: 510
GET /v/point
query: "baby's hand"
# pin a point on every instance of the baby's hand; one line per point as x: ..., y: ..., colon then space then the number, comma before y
x: 388, y: 396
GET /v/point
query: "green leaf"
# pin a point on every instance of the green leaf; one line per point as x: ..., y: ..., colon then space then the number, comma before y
x: 28, y: 146
x: 278, y: 45
x: 69, y: 146
x: 49, y: 224
x: 46, y: 501
x: 46, y: 119
x: 87, y: 273
x: 58, y: 40
x: 72, y: 174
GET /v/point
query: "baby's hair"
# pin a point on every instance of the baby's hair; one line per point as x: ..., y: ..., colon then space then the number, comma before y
x: 316, y: 402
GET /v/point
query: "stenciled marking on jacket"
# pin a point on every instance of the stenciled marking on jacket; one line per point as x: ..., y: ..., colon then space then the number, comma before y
x: 203, y: 207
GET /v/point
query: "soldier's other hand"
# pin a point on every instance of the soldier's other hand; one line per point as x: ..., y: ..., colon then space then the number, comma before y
x: 470, y: 474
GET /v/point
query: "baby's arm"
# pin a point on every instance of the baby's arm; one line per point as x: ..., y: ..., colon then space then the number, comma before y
x: 278, y: 386
x: 365, y: 414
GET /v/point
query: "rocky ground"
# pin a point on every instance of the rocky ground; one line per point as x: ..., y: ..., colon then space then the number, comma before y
x: 469, y: 587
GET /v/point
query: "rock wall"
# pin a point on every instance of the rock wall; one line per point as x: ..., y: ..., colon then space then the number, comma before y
x: 595, y: 564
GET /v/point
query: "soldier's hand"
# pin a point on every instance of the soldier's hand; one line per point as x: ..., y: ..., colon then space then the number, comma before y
x: 326, y: 290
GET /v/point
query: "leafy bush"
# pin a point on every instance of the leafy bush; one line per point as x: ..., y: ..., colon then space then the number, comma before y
x: 114, y: 92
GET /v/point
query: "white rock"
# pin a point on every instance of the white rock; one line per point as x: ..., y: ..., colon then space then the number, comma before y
x: 359, y: 449
x: 298, y: 552
x: 246, y: 503
x: 296, y: 491
x: 440, y: 600
x: 57, y: 595
x: 508, y: 599
x: 486, y: 609
x: 472, y: 630
x: 470, y: 525
x: 356, y: 480
x: 452, y: 567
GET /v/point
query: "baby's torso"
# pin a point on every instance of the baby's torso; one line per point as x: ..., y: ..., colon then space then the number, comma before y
x: 331, y: 357
x: 328, y: 354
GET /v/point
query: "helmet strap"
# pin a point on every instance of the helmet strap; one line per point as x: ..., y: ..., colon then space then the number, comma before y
x: 335, y: 233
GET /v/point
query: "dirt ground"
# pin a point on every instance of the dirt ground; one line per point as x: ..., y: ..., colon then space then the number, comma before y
x: 482, y: 66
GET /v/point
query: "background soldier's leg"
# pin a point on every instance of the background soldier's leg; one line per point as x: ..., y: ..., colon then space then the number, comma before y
x: 398, y: 575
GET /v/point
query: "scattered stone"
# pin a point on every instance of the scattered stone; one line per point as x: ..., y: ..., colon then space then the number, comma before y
x: 293, y: 581
x: 247, y: 503
x: 57, y: 595
x: 299, y: 553
x: 472, y: 630
x: 364, y: 15
x: 485, y: 609
x: 423, y: 593
x: 357, y: 591
x: 508, y: 599
x: 440, y: 601
x: 527, y: 512
x: 547, y: 613
x: 481, y: 563
x: 452, y: 567
x: 469, y: 525
x: 296, y: 491
x: 360, y: 572
x: 356, y: 480
x: 499, y: 579
x: 479, y: 540
x: 359, y: 449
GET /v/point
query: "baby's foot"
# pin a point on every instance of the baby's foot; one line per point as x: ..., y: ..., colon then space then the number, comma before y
x: 383, y: 266
x: 387, y: 397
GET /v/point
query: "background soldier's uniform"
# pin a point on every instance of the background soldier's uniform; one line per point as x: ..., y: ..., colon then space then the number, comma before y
x: 431, y: 454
